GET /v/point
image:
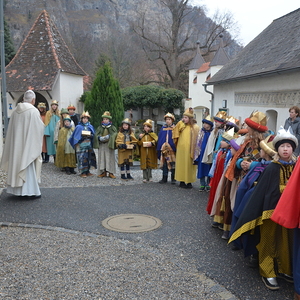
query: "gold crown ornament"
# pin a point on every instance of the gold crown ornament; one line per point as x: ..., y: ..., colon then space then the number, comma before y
x: 107, y: 115
x: 54, y: 102
x: 169, y: 115
x: 148, y: 123
x: 228, y: 135
x: 267, y: 145
x: 189, y: 112
x: 42, y: 105
x: 257, y: 121
x: 220, y: 116
x: 208, y: 120
x: 85, y: 114
x: 71, y: 107
x: 126, y: 121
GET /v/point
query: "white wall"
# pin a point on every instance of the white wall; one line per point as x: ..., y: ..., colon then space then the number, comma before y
x: 283, y: 92
x: 68, y: 90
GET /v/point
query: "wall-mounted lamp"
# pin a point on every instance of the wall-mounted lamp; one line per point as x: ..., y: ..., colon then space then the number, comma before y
x: 224, y: 104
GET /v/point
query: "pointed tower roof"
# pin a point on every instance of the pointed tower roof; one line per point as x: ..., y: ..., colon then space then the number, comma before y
x: 41, y: 57
x: 198, y: 60
x: 220, y: 58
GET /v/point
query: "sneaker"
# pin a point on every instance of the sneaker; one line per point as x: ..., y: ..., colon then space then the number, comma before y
x: 207, y: 188
x: 220, y: 226
x: 271, y: 283
x: 286, y: 277
x: 225, y: 235
x: 202, y: 188
x: 145, y: 180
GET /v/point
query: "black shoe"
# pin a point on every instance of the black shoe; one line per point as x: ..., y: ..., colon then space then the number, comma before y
x: 215, y: 225
x: 286, y: 277
x: 164, y: 179
x: 189, y: 186
x: 182, y: 184
x: 123, y: 177
x: 30, y: 197
x: 129, y: 177
x: 253, y: 261
x: 271, y: 283
x: 72, y: 171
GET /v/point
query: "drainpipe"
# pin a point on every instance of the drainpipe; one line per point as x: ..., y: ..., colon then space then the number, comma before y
x: 212, y: 98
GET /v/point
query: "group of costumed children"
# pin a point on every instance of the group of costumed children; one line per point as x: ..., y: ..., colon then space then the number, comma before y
x: 248, y: 172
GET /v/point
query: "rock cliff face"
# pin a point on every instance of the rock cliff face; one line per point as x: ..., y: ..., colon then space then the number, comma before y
x: 95, y: 18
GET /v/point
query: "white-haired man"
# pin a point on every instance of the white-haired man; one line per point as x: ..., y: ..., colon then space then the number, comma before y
x: 21, y: 157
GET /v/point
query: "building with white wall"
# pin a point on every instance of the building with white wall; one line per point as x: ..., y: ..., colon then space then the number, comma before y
x: 265, y: 75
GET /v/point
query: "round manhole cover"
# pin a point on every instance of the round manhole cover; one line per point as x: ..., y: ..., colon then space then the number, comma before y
x: 131, y: 223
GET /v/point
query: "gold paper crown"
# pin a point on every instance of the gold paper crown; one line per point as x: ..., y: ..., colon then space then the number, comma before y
x: 267, y: 145
x: 228, y: 135
x: 107, y: 115
x: 67, y: 117
x: 189, y: 112
x: 126, y: 121
x: 169, y: 115
x: 41, y: 104
x: 54, y: 102
x: 148, y: 123
x: 85, y: 114
x: 221, y: 115
x: 257, y: 121
x: 209, y: 120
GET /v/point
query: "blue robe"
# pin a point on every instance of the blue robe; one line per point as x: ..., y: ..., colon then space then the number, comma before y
x: 49, y: 133
x: 162, y: 138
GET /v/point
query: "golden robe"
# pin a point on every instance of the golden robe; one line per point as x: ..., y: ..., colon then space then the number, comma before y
x: 125, y: 156
x: 184, y: 137
x: 148, y: 154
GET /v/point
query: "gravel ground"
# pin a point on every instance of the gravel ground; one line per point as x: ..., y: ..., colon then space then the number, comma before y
x: 39, y: 262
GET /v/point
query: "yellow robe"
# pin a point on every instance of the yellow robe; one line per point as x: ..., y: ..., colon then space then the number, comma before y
x: 148, y: 154
x: 185, y: 170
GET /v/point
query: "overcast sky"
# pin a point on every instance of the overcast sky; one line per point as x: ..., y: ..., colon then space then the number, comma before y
x: 252, y: 16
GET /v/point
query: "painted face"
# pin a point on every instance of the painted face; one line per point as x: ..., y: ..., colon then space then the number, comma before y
x: 185, y: 119
x: 84, y: 120
x: 125, y: 126
x: 169, y: 121
x: 285, y: 151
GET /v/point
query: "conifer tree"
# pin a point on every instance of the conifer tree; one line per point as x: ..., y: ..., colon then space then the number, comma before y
x: 105, y: 95
x: 8, y: 44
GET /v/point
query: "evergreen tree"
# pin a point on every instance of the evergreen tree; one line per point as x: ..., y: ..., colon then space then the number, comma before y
x: 105, y: 95
x: 9, y: 46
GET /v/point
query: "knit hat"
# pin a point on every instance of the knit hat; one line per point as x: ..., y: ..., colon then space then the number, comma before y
x: 208, y: 120
x: 71, y: 107
x: 107, y: 115
x: 54, y: 102
x: 236, y: 143
x: 169, y: 115
x: 189, y: 112
x: 85, y: 114
x: 285, y: 136
x: 267, y: 145
x: 68, y: 118
x: 257, y: 121
x: 228, y: 135
x: 64, y: 111
x: 41, y: 104
x: 220, y: 116
x: 126, y: 121
x: 148, y: 123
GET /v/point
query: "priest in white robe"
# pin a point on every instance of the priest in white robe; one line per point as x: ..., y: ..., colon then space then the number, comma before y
x: 21, y: 157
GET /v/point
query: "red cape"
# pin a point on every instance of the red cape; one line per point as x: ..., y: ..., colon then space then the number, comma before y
x: 287, y: 211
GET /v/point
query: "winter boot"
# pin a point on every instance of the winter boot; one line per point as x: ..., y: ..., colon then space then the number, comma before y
x: 123, y: 177
x: 164, y: 179
x: 129, y: 176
